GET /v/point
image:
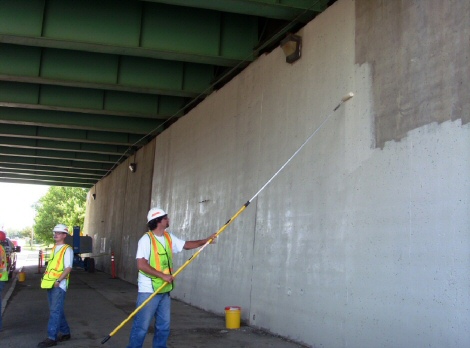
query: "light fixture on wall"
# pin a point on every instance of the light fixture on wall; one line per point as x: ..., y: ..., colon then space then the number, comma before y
x: 133, y: 165
x: 94, y: 196
x: 292, y: 47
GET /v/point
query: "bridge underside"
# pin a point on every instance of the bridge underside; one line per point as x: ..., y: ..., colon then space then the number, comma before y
x: 84, y: 84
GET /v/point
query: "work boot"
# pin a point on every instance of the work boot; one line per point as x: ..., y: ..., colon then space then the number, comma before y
x: 63, y: 338
x: 47, y: 343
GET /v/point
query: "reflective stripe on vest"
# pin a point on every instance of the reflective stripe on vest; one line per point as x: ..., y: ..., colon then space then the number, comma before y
x: 3, y: 265
x: 55, y: 268
x: 161, y: 260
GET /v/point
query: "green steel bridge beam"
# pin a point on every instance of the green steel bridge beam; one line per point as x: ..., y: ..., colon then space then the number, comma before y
x: 62, y: 146
x: 59, y: 119
x: 57, y: 154
x: 90, y: 101
x: 131, y: 28
x: 48, y: 175
x: 281, y: 9
x: 65, y: 172
x: 56, y: 163
x: 103, y: 71
x: 72, y: 135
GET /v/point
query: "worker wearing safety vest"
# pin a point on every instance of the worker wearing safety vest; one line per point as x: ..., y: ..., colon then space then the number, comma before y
x: 3, y: 271
x: 56, y: 280
x: 155, y: 264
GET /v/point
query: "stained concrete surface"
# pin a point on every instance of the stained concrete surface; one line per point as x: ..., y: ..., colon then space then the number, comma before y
x: 420, y: 61
x: 96, y: 304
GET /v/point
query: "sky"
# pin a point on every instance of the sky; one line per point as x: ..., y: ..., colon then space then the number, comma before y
x: 16, y: 202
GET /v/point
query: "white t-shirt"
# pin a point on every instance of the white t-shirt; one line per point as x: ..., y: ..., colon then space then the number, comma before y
x: 143, y: 251
x: 68, y: 262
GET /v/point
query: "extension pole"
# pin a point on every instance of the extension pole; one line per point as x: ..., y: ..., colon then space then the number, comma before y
x: 196, y: 254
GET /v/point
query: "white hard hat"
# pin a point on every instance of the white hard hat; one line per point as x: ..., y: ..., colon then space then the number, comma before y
x: 61, y: 228
x: 155, y: 213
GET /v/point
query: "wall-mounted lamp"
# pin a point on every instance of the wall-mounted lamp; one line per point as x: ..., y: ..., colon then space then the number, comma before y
x: 133, y: 167
x: 292, y: 47
x: 94, y: 196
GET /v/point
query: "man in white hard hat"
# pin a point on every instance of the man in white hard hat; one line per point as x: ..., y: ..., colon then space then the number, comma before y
x: 56, y: 281
x: 155, y: 262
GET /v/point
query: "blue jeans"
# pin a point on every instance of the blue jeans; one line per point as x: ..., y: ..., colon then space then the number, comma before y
x: 159, y: 308
x: 2, y: 285
x: 57, y: 322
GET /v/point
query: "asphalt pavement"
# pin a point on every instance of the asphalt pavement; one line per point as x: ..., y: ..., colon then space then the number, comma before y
x: 96, y: 304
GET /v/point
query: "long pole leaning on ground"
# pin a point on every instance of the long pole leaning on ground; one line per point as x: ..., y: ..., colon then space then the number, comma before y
x: 196, y: 254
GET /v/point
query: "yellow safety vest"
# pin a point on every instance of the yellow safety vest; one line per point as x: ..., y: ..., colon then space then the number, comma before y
x: 55, y: 268
x: 161, y: 260
x: 3, y: 265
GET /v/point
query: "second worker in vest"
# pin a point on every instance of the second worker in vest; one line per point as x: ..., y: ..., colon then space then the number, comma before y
x: 3, y: 271
x: 155, y: 261
x: 56, y: 281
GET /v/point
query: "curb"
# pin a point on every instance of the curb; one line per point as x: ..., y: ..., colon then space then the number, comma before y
x: 10, y: 291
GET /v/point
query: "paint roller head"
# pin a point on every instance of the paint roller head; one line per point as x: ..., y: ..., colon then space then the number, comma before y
x: 347, y: 97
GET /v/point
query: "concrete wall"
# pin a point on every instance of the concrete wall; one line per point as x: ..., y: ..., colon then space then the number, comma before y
x: 116, y: 218
x: 363, y: 239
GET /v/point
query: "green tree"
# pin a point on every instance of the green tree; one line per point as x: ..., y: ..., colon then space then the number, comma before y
x: 26, y: 234
x: 60, y: 205
x: 12, y: 233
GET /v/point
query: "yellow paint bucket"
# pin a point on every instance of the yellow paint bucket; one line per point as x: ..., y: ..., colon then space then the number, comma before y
x: 232, y: 317
x: 21, y: 277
